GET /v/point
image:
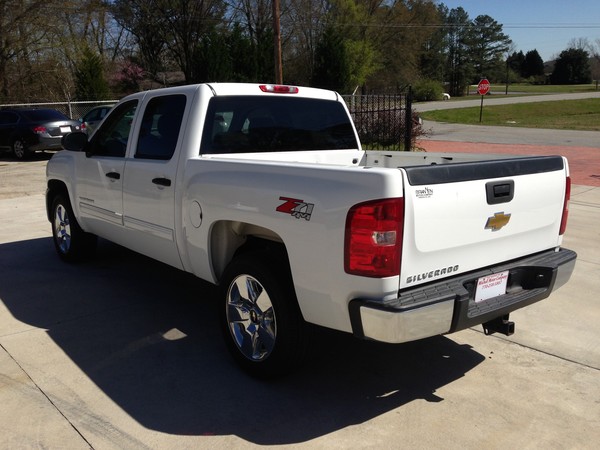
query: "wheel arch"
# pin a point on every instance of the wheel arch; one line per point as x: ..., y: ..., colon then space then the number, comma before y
x: 54, y: 188
x: 230, y: 239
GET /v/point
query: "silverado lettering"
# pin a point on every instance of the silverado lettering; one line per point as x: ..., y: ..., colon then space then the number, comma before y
x: 431, y: 274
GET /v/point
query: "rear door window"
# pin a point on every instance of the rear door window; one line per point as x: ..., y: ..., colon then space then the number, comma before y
x: 160, y: 128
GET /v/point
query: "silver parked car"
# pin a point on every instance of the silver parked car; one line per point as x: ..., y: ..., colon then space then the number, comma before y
x: 93, y: 117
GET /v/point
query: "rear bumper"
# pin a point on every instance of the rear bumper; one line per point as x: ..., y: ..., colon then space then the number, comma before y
x: 46, y: 143
x: 448, y: 306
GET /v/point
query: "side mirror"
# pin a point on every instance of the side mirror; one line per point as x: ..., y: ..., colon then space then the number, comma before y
x: 75, y: 141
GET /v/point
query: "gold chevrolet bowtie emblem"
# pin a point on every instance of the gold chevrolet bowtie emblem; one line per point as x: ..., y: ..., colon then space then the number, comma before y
x: 497, y: 221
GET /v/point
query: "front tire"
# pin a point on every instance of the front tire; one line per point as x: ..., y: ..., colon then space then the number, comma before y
x: 70, y: 241
x: 261, y: 320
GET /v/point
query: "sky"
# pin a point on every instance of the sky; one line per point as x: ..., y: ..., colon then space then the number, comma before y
x: 546, y: 26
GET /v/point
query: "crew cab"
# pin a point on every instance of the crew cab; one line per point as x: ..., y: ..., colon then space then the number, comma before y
x: 266, y: 191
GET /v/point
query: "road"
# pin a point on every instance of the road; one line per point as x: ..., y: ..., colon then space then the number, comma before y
x: 509, y: 134
x: 123, y: 352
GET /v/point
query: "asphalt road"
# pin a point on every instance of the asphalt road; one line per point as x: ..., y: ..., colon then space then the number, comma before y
x: 510, y: 134
x: 123, y: 352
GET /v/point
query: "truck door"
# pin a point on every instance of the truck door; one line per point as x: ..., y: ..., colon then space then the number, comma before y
x: 149, y: 182
x: 100, y: 196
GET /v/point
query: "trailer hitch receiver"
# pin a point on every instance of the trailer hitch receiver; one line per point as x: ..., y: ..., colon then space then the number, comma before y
x: 499, y: 325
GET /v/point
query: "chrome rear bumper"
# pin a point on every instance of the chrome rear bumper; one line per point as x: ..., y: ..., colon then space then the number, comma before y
x: 447, y: 306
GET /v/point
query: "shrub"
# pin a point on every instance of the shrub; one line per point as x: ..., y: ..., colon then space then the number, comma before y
x: 427, y: 90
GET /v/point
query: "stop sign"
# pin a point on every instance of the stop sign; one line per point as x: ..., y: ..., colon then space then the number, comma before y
x: 483, y: 87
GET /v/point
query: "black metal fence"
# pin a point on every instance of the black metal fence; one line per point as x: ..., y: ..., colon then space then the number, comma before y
x: 384, y: 122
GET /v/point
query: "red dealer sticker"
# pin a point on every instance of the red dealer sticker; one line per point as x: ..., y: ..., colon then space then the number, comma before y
x: 491, y: 286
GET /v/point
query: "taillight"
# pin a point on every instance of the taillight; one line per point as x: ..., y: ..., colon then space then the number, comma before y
x: 565, y: 212
x: 39, y: 129
x: 278, y: 89
x: 373, y: 241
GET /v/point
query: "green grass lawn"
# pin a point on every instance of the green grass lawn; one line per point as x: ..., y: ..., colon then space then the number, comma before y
x: 520, y: 88
x: 561, y: 115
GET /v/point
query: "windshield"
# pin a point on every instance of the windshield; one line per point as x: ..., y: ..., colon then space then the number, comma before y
x: 270, y: 124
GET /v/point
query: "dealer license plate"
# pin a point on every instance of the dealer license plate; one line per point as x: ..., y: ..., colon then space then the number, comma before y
x: 491, y: 286
x: 65, y: 129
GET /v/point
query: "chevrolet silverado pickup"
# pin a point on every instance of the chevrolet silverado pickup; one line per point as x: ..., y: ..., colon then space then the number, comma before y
x: 266, y: 191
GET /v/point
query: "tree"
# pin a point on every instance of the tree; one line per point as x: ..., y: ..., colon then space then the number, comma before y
x: 433, y: 57
x: 488, y: 44
x: 572, y: 67
x: 26, y: 31
x: 331, y: 69
x: 401, y: 34
x: 147, y: 28
x: 302, y: 25
x: 90, y: 83
x: 533, y: 65
x: 458, y: 41
x: 168, y: 31
x: 595, y: 52
x: 515, y: 62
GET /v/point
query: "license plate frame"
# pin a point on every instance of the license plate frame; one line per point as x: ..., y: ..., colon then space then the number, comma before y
x: 490, y: 286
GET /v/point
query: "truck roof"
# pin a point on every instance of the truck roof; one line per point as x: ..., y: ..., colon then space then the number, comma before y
x: 243, y: 89
x: 271, y: 89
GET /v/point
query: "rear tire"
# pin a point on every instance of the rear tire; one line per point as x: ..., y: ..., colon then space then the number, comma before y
x: 260, y: 317
x: 20, y: 150
x: 70, y: 241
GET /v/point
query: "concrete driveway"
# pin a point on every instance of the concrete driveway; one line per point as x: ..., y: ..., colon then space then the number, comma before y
x: 123, y: 352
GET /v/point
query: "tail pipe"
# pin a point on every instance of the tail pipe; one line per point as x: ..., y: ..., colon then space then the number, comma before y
x: 499, y: 325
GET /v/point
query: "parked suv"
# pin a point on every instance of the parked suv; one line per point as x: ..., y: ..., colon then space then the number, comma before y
x: 27, y: 130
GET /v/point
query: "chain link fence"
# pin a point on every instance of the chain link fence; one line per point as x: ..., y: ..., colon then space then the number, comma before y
x: 74, y: 110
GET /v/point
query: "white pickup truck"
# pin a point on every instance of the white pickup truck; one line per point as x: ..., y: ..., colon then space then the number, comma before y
x: 265, y: 191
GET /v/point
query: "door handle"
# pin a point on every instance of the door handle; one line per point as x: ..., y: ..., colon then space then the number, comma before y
x: 114, y: 175
x: 162, y: 181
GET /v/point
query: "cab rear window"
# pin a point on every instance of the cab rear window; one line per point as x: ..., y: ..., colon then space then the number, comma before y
x: 271, y: 124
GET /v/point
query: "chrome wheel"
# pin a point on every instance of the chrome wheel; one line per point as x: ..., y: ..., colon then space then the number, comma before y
x: 62, y: 229
x: 260, y: 318
x: 251, y: 317
x: 71, y: 242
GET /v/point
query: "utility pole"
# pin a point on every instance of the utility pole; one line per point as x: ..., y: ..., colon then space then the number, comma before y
x: 277, y: 37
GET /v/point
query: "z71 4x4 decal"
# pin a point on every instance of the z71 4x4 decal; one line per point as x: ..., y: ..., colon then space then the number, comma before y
x: 296, y: 208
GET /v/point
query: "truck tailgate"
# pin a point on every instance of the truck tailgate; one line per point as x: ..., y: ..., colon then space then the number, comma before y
x: 465, y: 216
